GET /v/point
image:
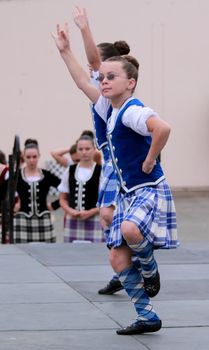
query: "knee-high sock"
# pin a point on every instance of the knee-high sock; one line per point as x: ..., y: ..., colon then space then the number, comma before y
x: 132, y: 282
x: 144, y: 251
x: 136, y: 263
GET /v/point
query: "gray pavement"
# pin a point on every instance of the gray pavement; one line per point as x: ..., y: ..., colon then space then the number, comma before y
x: 49, y: 300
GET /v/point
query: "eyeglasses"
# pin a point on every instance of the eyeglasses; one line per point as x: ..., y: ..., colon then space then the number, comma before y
x: 109, y: 76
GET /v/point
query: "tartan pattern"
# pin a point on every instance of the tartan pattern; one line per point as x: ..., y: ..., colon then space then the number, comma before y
x: 133, y: 283
x: 152, y: 209
x: 144, y: 252
x: 85, y: 230
x: 56, y: 169
x: 33, y: 229
x: 109, y: 189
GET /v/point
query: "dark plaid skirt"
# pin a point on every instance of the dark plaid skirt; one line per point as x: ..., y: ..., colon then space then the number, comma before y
x: 83, y: 230
x: 33, y: 229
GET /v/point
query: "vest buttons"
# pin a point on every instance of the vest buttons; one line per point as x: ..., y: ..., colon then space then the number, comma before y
x: 124, y: 183
x: 113, y: 147
x: 121, y: 171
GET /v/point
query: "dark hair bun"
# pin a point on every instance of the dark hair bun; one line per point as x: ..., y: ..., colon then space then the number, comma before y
x: 31, y: 141
x: 132, y: 60
x: 122, y: 47
x: 88, y: 133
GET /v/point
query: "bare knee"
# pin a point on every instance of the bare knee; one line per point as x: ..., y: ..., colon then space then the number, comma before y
x: 130, y: 232
x: 120, y: 258
x: 106, y: 215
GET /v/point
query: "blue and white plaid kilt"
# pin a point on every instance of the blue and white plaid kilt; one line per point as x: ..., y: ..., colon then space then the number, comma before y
x: 109, y: 189
x: 153, y: 211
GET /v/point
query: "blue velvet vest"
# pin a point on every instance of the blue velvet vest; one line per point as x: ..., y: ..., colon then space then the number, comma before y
x: 100, y: 128
x: 128, y: 151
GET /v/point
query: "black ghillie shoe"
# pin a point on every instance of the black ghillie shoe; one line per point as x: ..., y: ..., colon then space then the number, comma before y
x: 152, y: 285
x: 140, y: 327
x: 112, y: 287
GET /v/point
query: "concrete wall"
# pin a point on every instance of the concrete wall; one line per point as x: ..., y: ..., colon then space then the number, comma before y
x: 169, y: 37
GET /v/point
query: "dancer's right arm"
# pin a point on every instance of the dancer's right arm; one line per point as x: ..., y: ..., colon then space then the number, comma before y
x: 77, y: 73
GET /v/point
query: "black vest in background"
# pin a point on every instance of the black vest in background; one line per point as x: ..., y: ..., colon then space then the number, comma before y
x: 84, y: 195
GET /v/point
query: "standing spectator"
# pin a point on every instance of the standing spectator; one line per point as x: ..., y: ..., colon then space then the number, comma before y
x: 66, y: 157
x: 32, y: 221
x: 60, y: 156
x: 78, y: 195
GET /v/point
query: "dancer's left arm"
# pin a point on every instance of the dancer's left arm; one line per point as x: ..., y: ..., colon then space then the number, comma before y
x: 160, y: 131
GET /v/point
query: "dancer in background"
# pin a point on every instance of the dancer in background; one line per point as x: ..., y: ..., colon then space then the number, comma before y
x: 32, y: 221
x: 108, y: 189
x: 79, y: 193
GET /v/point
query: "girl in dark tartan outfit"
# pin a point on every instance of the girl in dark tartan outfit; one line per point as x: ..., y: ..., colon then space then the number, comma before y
x: 32, y: 221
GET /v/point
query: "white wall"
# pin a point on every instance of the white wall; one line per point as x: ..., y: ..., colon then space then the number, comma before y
x: 169, y: 38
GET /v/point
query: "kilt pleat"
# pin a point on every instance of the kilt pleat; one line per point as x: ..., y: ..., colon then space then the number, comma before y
x: 108, y: 191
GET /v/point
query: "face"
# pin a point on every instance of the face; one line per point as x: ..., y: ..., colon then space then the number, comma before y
x: 113, y: 81
x: 85, y: 150
x: 31, y: 156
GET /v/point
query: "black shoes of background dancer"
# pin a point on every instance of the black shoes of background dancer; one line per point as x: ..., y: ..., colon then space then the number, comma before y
x: 112, y: 287
x: 152, y: 285
x: 140, y: 327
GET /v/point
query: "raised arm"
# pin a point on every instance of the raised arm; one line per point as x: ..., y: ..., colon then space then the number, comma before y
x: 78, y: 74
x: 59, y: 156
x: 92, y: 52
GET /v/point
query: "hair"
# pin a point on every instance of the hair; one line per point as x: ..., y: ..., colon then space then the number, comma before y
x: 73, y: 149
x: 118, y: 48
x: 31, y: 143
x: 86, y: 138
x: 88, y: 133
x: 130, y: 65
x: 2, y: 158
